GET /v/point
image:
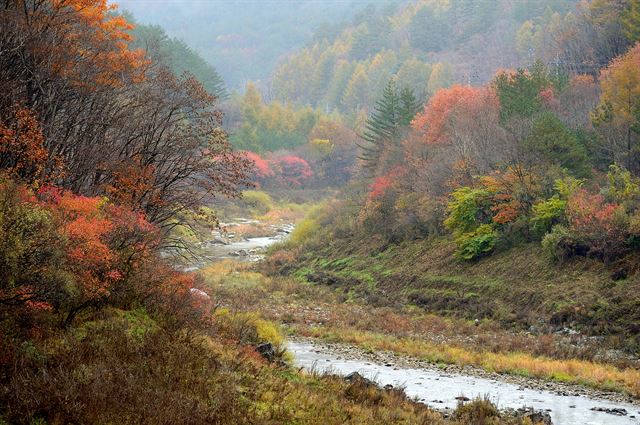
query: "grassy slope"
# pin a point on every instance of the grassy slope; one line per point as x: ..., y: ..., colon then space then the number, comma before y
x: 517, y: 287
x: 318, y: 311
x: 125, y: 367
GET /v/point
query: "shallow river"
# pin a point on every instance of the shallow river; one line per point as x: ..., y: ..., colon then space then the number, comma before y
x: 434, y: 387
x: 439, y: 389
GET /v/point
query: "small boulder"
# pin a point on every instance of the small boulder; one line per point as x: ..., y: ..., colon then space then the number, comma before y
x: 356, y: 377
x: 267, y: 350
x: 618, y: 411
x: 535, y: 416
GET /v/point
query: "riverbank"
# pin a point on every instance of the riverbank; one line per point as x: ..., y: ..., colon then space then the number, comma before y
x: 443, y: 388
x: 317, y: 311
x: 394, y: 360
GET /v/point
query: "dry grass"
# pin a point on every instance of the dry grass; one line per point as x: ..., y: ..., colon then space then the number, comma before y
x: 582, y: 372
x: 317, y: 311
x: 122, y: 367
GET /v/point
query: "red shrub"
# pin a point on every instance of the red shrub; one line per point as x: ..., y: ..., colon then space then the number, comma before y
x: 262, y: 168
x: 293, y: 170
x: 602, y: 227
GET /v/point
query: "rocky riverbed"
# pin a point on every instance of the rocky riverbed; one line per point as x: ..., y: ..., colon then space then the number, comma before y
x: 443, y: 386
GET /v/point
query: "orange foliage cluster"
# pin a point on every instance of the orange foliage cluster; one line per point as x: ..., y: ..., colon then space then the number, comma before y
x: 22, y: 151
x: 508, y: 190
x: 589, y: 213
x: 99, y: 36
x: 434, y: 124
x: 382, y: 184
x: 131, y: 181
x: 548, y: 98
x: 262, y: 168
x: 104, y: 240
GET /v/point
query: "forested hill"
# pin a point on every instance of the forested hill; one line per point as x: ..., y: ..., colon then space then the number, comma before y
x: 427, y: 45
x: 244, y: 40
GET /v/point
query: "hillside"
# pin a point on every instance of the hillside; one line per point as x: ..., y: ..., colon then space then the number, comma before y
x: 420, y: 212
x: 244, y: 40
x: 426, y: 45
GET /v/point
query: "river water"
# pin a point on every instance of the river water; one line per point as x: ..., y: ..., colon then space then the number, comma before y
x: 439, y: 389
x: 434, y: 387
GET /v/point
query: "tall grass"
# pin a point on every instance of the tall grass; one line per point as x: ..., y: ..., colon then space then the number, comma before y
x: 596, y: 375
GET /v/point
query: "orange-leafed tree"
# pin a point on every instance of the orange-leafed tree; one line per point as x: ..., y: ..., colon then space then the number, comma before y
x: 457, y: 135
x: 22, y: 151
x: 619, y: 110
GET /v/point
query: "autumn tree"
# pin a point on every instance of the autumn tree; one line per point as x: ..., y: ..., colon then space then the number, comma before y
x: 630, y: 19
x: 619, y: 111
x: 460, y: 125
x: 22, y: 151
x: 120, y: 122
x: 331, y: 152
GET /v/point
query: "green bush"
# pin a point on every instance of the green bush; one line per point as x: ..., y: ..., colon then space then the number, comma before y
x: 258, y: 201
x: 546, y: 214
x: 472, y: 245
x: 467, y: 208
x: 304, y: 231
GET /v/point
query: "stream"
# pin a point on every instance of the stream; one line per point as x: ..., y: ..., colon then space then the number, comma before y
x: 434, y: 387
x: 439, y: 389
x: 231, y: 246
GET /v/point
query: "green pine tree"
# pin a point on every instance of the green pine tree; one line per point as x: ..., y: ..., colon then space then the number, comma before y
x: 382, y: 129
x: 409, y: 106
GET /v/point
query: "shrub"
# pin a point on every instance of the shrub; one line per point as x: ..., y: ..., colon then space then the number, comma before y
x: 546, y: 214
x: 478, y: 411
x: 623, y: 187
x: 467, y: 209
x: 32, y: 257
x: 560, y: 244
x: 604, y: 227
x: 68, y: 252
x: 293, y: 171
x: 472, y: 245
x: 258, y: 201
x: 304, y: 231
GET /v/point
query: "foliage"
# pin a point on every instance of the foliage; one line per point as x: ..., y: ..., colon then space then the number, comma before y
x: 467, y: 209
x: 22, y: 151
x: 177, y: 55
x: 619, y: 109
x: 439, y: 120
x: 293, y: 170
x: 552, y: 142
x: 331, y: 153
x: 384, y: 128
x: 623, y: 187
x: 271, y: 127
x: 630, y: 20
x: 603, y: 227
x: 547, y: 214
x: 476, y: 243
x: 520, y: 92
x: 257, y: 201
x: 72, y: 68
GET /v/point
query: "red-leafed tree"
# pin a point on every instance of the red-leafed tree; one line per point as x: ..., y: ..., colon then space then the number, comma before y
x: 293, y: 170
x: 261, y: 167
x: 22, y: 151
x: 456, y: 135
x: 451, y: 108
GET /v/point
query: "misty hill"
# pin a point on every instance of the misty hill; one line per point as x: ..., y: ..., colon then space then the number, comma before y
x: 244, y: 40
